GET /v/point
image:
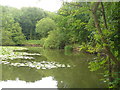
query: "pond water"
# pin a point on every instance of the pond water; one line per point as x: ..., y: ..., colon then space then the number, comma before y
x: 35, y: 67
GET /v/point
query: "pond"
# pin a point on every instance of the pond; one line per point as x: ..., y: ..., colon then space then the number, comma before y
x: 35, y: 67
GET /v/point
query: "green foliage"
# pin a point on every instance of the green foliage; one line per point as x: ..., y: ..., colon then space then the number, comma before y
x: 111, y: 34
x: 42, y: 41
x: 32, y: 42
x: 28, y: 19
x: 78, y: 24
x: 55, y: 39
x: 11, y: 31
x: 73, y: 23
x: 6, y: 38
x: 51, y: 15
x: 44, y: 26
x: 113, y: 22
x: 97, y: 63
x: 68, y: 48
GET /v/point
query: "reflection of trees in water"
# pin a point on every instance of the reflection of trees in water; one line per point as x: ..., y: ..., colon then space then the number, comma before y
x: 66, y: 77
x: 77, y: 76
x: 61, y: 57
x: 23, y: 73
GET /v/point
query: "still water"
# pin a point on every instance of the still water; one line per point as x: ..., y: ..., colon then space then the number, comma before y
x: 35, y: 67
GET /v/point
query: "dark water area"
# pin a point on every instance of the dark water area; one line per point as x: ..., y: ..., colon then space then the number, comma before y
x: 34, y: 67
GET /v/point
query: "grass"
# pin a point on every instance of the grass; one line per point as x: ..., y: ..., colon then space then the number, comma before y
x: 32, y: 42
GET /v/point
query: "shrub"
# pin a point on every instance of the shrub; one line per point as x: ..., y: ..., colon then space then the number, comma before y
x: 68, y: 48
x: 55, y: 39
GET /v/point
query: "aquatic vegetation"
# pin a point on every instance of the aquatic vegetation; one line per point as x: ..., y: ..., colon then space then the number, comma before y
x: 39, y: 65
x: 9, y: 55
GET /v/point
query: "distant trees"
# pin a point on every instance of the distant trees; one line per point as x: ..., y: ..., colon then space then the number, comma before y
x: 56, y: 39
x: 44, y: 26
x: 28, y: 19
x: 11, y: 31
x: 24, y: 21
x: 66, y: 27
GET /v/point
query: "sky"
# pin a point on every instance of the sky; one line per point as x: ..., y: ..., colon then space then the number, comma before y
x: 49, y: 5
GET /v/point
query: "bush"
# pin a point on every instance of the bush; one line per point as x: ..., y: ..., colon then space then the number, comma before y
x: 68, y: 48
x: 42, y: 41
x: 56, y: 39
x: 6, y: 38
x: 44, y: 26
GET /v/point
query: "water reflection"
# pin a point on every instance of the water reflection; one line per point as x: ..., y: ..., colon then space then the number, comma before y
x: 22, y: 84
x: 61, y: 69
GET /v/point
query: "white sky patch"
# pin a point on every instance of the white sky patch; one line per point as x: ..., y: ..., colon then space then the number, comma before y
x: 49, y: 5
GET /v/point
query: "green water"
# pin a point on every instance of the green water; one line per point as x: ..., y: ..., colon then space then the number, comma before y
x: 36, y: 67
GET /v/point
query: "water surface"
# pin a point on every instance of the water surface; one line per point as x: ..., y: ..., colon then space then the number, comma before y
x: 34, y: 67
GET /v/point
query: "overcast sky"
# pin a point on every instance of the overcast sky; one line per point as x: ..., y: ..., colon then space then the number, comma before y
x: 50, y: 5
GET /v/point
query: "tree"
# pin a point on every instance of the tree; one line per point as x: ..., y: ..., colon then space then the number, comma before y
x: 56, y: 39
x: 73, y: 21
x: 44, y: 26
x: 11, y: 31
x: 102, y: 31
x: 28, y: 19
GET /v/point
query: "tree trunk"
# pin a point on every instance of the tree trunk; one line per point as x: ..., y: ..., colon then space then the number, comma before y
x: 104, y: 40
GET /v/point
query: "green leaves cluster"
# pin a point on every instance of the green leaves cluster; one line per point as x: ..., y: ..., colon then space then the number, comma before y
x: 28, y: 19
x: 55, y: 39
x: 11, y: 31
x: 67, y: 27
x: 44, y: 26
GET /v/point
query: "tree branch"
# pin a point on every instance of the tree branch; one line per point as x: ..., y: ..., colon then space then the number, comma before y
x: 97, y: 24
x: 103, y: 13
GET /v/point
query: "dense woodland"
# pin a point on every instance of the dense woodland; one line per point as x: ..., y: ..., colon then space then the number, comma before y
x: 88, y: 27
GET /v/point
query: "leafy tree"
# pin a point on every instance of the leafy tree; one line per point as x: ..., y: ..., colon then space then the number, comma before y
x: 106, y: 33
x: 51, y: 15
x: 103, y: 37
x: 14, y: 12
x: 11, y: 31
x: 73, y: 21
x: 56, y: 39
x: 28, y: 20
x: 6, y: 38
x: 44, y: 26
